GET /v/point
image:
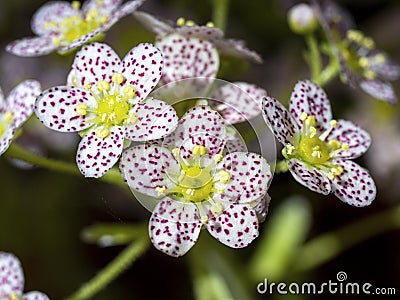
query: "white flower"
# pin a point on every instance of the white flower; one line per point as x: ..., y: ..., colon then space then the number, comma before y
x: 199, y: 185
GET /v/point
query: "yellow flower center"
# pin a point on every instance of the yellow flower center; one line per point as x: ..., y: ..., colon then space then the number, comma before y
x: 76, y: 26
x: 113, y: 105
x: 312, y: 147
x: 196, y: 184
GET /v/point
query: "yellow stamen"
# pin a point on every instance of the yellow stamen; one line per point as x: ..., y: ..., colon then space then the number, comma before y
x: 223, y: 176
x: 217, y: 208
x: 363, y: 62
x: 161, y: 190
x: 369, y: 74
x: 102, y: 132
x: 217, y: 157
x: 333, y: 123
x: 129, y: 91
x: 313, y: 132
x: 190, y: 23
x: 204, y: 219
x: 103, y: 86
x: 76, y: 5
x: 199, y: 150
x: 81, y: 109
x: 334, y: 144
x: 132, y: 119
x: 290, y: 149
x: 368, y: 43
x: 380, y: 58
x: 56, y: 41
x: 210, y: 24
x: 181, y: 21
x: 345, y: 147
x: 303, y: 116
x: 117, y: 78
x: 8, y: 117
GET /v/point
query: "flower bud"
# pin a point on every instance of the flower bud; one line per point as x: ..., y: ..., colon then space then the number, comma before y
x: 302, y: 19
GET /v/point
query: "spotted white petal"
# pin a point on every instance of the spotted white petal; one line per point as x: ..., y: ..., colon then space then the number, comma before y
x: 6, y: 138
x: 84, y: 39
x: 21, y: 100
x: 249, y: 176
x: 355, y: 185
x: 356, y: 138
x: 153, y: 24
x: 142, y: 68
x: 201, y: 126
x: 236, y: 226
x: 174, y: 227
x: 148, y: 167
x: 94, y: 63
x: 35, y: 296
x: 125, y: 9
x: 52, y: 13
x: 309, y: 98
x: 155, y: 119
x: 260, y: 206
x: 238, y: 101
x: 235, y: 143
x: 102, y: 7
x: 35, y: 46
x: 309, y: 176
x: 96, y: 155
x: 206, y: 33
x: 237, y: 48
x: 11, y: 275
x: 187, y: 57
x: 56, y: 108
x: 279, y: 120
x: 379, y: 90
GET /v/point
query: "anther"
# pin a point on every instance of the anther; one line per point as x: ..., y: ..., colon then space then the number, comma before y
x: 102, y: 132
x: 81, y: 109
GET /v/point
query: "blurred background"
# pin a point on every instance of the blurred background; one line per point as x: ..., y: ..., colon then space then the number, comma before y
x: 42, y: 213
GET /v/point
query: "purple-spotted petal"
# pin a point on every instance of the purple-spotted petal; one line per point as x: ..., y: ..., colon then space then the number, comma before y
x: 309, y: 98
x: 237, y: 48
x: 201, y: 126
x: 236, y: 226
x: 310, y: 177
x: 174, y: 227
x: 56, y: 108
x: 187, y: 57
x: 156, y: 119
x: 358, y: 139
x: 126, y: 9
x: 239, y: 101
x: 279, y: 119
x: 211, y: 34
x: 96, y: 155
x: 147, y: 167
x: 249, y: 176
x: 11, y: 275
x: 51, y: 13
x: 35, y: 46
x: 235, y: 142
x: 6, y: 138
x: 379, y: 89
x: 84, y: 39
x: 95, y: 62
x: 142, y: 68
x: 35, y: 296
x: 153, y: 24
x: 103, y: 7
x: 21, y: 100
x: 260, y: 206
x: 355, y: 185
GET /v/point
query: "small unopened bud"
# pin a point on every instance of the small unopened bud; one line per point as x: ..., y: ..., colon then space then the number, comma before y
x: 302, y: 19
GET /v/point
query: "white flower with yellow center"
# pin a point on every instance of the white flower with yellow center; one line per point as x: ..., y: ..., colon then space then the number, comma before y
x: 63, y: 26
x: 16, y: 109
x: 106, y: 102
x: 317, y: 149
x: 199, y: 185
x: 12, y: 280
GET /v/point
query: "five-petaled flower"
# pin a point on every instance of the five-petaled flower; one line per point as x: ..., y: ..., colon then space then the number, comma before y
x: 12, y: 280
x: 360, y: 62
x: 198, y: 185
x: 318, y: 148
x: 62, y: 26
x: 16, y: 109
x: 106, y: 102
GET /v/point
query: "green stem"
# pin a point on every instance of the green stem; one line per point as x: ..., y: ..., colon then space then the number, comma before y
x: 329, y: 72
x: 112, y: 270
x: 14, y: 151
x: 220, y: 12
x: 327, y: 246
x: 313, y: 58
